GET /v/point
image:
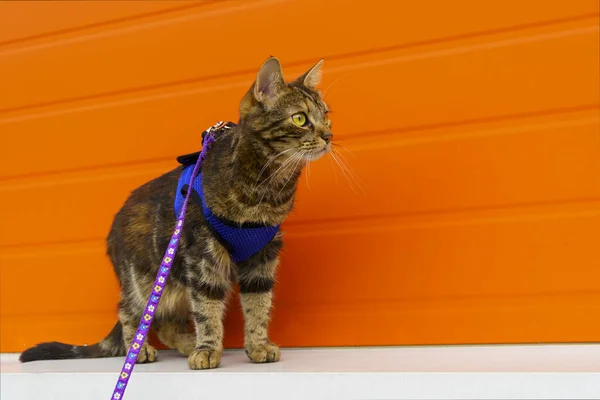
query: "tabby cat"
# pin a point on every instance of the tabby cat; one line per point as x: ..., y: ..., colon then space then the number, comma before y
x: 250, y: 176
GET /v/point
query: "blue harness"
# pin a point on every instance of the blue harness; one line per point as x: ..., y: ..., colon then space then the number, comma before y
x: 241, y: 240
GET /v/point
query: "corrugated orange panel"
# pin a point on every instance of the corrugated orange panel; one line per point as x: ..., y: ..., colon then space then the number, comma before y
x: 474, y: 131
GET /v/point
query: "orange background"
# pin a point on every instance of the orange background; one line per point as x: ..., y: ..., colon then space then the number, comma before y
x: 474, y: 124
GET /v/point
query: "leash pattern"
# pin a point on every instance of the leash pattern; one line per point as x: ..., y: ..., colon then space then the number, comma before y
x: 161, y: 277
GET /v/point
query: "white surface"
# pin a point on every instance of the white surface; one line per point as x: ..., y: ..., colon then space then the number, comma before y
x: 457, y: 372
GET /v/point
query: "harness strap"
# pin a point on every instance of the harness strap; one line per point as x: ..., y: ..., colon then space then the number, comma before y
x: 198, y: 201
x: 242, y: 241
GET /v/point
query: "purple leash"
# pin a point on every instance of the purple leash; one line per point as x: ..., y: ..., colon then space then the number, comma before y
x: 161, y: 279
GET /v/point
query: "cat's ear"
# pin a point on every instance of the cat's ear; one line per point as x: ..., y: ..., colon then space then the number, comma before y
x: 312, y: 77
x: 269, y: 81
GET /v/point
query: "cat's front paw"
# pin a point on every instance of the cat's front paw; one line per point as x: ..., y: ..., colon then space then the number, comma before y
x: 148, y: 354
x: 204, y: 359
x: 263, y: 353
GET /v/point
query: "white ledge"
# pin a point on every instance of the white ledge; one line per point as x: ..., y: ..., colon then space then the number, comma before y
x: 436, y: 372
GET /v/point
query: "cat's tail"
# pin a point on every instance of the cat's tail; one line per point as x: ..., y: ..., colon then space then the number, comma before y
x: 111, y: 346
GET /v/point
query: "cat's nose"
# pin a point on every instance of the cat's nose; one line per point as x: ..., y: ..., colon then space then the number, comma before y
x: 327, y: 136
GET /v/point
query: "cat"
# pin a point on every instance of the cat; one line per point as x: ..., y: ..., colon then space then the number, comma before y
x: 250, y: 176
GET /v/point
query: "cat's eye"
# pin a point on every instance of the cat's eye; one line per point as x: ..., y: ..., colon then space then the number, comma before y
x: 300, y: 119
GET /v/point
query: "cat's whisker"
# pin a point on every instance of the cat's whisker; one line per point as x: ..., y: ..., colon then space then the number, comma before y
x: 334, y: 82
x: 349, y: 167
x: 279, y: 171
x: 270, y: 162
x: 282, y: 166
x: 300, y: 159
x: 337, y: 161
x: 308, y: 169
x: 335, y: 177
x: 274, y: 174
x: 290, y: 165
x: 349, y: 173
x: 293, y: 158
x: 345, y: 149
x: 352, y: 174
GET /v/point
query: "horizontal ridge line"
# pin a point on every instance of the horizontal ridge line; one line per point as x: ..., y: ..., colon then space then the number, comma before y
x: 450, y: 212
x: 475, y: 121
x: 425, y: 300
x: 349, y: 137
x: 108, y: 22
x: 144, y: 25
x: 56, y: 173
x: 519, y: 208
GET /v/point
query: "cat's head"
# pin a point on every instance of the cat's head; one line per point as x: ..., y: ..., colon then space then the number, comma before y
x: 287, y: 117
